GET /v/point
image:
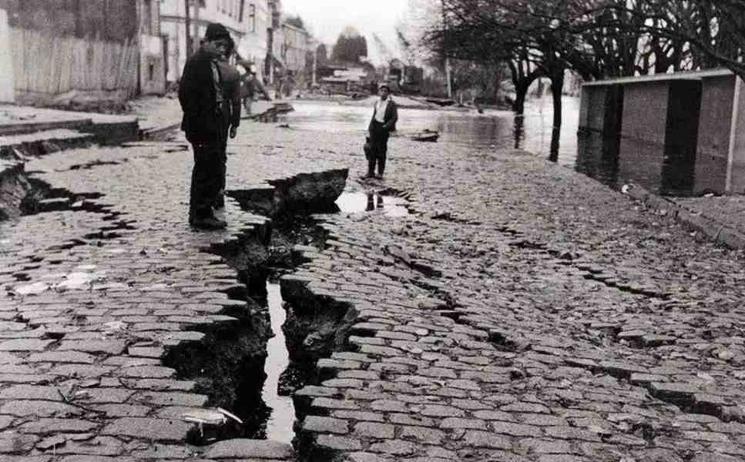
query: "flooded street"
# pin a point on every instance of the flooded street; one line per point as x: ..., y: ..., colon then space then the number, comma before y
x: 491, y: 130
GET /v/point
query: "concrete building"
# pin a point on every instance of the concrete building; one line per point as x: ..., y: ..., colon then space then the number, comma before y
x: 247, y: 21
x: 679, y: 134
x: 720, y: 153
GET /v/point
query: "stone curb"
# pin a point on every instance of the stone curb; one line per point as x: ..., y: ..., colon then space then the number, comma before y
x: 157, y: 133
x: 711, y: 228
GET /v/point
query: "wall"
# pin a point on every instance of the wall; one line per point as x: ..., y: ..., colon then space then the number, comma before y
x: 294, y: 48
x: 681, y: 137
x: 643, y: 133
x: 601, y: 108
x: 152, y: 66
x: 738, y: 150
x: 106, y: 20
x: 7, y: 79
x: 61, y: 70
x: 714, y: 134
x: 74, y: 51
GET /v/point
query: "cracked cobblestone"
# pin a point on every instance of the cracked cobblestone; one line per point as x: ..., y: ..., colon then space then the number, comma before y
x: 520, y: 312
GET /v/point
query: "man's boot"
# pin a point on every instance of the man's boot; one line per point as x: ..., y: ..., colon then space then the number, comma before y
x: 381, y: 167
x: 370, y: 169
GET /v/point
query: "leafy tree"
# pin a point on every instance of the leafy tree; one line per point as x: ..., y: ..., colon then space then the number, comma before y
x: 295, y: 21
x: 322, y: 55
x: 350, y: 47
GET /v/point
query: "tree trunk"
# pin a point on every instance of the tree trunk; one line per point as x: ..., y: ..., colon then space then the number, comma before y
x: 557, y: 87
x: 521, y: 92
x: 519, y: 131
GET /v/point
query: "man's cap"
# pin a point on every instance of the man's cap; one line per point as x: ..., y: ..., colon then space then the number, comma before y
x: 384, y: 85
x: 216, y: 31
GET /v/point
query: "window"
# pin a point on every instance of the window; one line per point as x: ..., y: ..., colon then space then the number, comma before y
x: 147, y: 18
x: 252, y: 18
x: 240, y: 10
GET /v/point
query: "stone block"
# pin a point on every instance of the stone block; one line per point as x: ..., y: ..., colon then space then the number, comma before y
x: 148, y: 428
x: 249, y: 449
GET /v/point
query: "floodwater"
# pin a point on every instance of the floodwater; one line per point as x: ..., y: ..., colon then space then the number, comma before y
x: 491, y: 130
x: 357, y: 202
x: 282, y: 417
x: 606, y: 159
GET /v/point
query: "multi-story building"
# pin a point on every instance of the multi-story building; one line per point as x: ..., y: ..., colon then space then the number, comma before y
x: 295, y: 46
x: 152, y: 48
x: 274, y: 40
x: 247, y: 21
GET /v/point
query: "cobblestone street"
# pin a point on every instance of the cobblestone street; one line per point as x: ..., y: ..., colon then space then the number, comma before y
x: 519, y: 312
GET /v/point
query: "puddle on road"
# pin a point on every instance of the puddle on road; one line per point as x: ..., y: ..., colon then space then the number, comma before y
x: 280, y: 422
x: 356, y: 202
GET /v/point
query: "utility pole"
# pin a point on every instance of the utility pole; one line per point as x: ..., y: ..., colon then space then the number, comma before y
x: 187, y: 28
x: 195, y: 37
x: 447, y: 58
x: 315, y: 61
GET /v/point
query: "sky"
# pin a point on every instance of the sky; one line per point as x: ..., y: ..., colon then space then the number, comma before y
x: 327, y: 18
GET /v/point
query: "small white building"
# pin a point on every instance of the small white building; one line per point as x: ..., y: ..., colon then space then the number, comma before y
x: 247, y: 21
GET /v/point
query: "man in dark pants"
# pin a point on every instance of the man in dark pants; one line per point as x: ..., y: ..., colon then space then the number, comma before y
x: 383, y: 122
x: 232, y: 107
x: 205, y: 123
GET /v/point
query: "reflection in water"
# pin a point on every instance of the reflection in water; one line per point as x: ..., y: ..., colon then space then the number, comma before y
x: 597, y: 156
x: 665, y: 170
x: 279, y: 425
x: 492, y: 129
x: 371, y: 201
x: 615, y: 159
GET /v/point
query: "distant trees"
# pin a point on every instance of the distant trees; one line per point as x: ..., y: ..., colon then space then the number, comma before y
x: 322, y: 55
x: 295, y: 21
x: 350, y: 47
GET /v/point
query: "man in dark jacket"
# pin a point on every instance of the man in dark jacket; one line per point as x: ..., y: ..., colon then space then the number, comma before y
x: 231, y: 87
x: 205, y: 123
x: 250, y: 87
x: 383, y: 122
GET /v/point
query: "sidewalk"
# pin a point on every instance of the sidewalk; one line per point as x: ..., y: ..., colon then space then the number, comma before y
x: 521, y: 312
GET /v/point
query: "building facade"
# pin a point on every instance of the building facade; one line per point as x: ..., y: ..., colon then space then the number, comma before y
x: 153, y: 60
x: 294, y: 48
x: 247, y: 21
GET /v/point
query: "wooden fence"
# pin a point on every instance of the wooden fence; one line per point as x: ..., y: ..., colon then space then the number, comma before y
x: 50, y: 67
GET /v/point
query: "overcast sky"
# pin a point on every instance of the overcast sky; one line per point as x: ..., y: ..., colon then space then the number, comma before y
x: 327, y: 18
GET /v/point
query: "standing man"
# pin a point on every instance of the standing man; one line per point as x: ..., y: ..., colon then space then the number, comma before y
x: 232, y: 107
x: 251, y: 86
x: 383, y: 122
x: 205, y: 123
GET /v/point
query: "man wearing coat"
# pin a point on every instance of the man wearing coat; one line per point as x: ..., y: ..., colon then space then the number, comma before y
x: 205, y: 123
x: 383, y: 122
x: 231, y: 87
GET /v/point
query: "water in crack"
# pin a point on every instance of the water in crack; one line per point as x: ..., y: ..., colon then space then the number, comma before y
x: 279, y: 425
x: 355, y: 202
